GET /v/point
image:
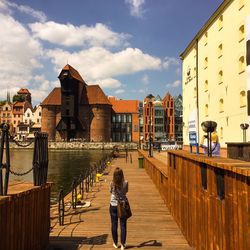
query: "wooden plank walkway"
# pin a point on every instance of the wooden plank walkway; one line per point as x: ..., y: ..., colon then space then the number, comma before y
x: 150, y: 227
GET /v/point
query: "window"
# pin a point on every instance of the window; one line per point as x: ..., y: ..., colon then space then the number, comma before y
x: 241, y: 64
x: 206, y: 110
x: 6, y: 108
x: 14, y: 122
x: 220, y: 22
x: 220, y: 50
x: 221, y: 132
x: 206, y: 85
x: 205, y: 38
x: 40, y: 114
x: 129, y: 118
x: 221, y: 105
x: 205, y: 62
x: 14, y: 116
x: 220, y: 76
x: 242, y: 98
x: 241, y: 4
x: 38, y: 120
x: 26, y: 121
x: 123, y: 118
x: 241, y: 33
x: 28, y: 115
x: 113, y: 118
x: 118, y: 118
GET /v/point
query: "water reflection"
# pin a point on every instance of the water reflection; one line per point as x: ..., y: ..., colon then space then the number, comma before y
x: 64, y: 165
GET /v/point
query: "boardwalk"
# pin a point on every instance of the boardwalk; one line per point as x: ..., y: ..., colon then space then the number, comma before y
x: 150, y: 227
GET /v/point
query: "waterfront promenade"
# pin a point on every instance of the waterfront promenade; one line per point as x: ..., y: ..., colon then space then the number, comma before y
x: 150, y: 227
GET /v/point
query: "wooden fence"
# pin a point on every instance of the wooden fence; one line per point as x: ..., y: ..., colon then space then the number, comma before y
x: 208, y: 197
x: 25, y: 218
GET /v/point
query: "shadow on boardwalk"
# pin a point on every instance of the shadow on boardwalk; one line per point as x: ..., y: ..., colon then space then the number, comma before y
x: 150, y: 227
x: 73, y: 243
x: 150, y: 243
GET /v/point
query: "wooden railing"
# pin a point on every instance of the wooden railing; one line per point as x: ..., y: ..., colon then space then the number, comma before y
x: 208, y: 197
x: 25, y: 217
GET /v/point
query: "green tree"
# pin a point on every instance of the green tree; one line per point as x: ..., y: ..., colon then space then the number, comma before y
x: 17, y: 98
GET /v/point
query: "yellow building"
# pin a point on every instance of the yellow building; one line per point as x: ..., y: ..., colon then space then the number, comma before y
x: 215, y: 76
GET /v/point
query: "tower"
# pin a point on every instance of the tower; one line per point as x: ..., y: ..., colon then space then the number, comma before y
x: 72, y: 88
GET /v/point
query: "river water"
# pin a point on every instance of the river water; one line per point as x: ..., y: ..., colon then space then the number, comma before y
x: 64, y: 165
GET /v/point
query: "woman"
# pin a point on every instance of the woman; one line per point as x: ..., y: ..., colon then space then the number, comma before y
x: 118, y: 190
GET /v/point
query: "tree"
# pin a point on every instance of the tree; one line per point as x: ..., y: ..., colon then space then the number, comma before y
x: 18, y: 98
x: 2, y: 102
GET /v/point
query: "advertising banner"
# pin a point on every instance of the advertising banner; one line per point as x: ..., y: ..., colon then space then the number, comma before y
x: 193, y: 128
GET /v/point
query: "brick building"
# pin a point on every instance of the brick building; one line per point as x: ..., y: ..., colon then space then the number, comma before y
x: 125, y: 120
x: 168, y: 104
x: 76, y: 110
x: 158, y: 117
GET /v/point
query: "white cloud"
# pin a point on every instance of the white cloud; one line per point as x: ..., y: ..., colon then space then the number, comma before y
x: 119, y: 91
x: 20, y: 54
x: 136, y: 9
x: 108, y: 83
x: 7, y: 7
x: 4, y: 7
x: 178, y: 71
x: 174, y: 84
x: 39, y: 87
x: 70, y: 35
x: 99, y: 63
x: 145, y: 79
x: 168, y: 61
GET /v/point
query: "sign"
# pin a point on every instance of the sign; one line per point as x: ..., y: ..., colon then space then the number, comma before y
x: 192, y: 138
x: 193, y: 127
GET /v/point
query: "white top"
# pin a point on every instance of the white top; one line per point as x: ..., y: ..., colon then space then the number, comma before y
x: 120, y: 193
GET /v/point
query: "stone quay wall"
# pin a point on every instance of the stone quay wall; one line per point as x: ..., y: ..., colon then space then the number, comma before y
x: 84, y: 145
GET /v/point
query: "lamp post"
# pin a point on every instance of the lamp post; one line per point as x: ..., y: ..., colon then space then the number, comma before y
x: 209, y: 127
x: 150, y: 98
x: 244, y: 127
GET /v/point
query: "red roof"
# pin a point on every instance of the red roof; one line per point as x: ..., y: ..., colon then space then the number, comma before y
x: 54, y: 98
x: 95, y: 95
x: 23, y: 91
x: 73, y: 72
x: 18, y: 104
x: 124, y: 106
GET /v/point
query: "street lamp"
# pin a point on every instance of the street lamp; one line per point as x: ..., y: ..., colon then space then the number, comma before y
x: 244, y: 127
x: 209, y: 127
x: 150, y: 101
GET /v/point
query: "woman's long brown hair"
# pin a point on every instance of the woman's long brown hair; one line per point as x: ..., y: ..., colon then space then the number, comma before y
x: 118, y: 178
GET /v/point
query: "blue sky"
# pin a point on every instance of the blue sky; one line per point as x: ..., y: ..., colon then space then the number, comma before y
x: 130, y: 47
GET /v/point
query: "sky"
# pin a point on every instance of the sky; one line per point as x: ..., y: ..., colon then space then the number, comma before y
x: 129, y: 47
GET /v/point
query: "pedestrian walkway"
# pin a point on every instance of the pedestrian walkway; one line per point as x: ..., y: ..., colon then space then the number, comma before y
x: 150, y: 227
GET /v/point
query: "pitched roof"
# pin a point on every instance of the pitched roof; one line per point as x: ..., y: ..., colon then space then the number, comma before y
x: 23, y: 91
x: 54, y: 98
x: 96, y: 95
x: 73, y: 72
x: 124, y: 106
x: 18, y: 104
